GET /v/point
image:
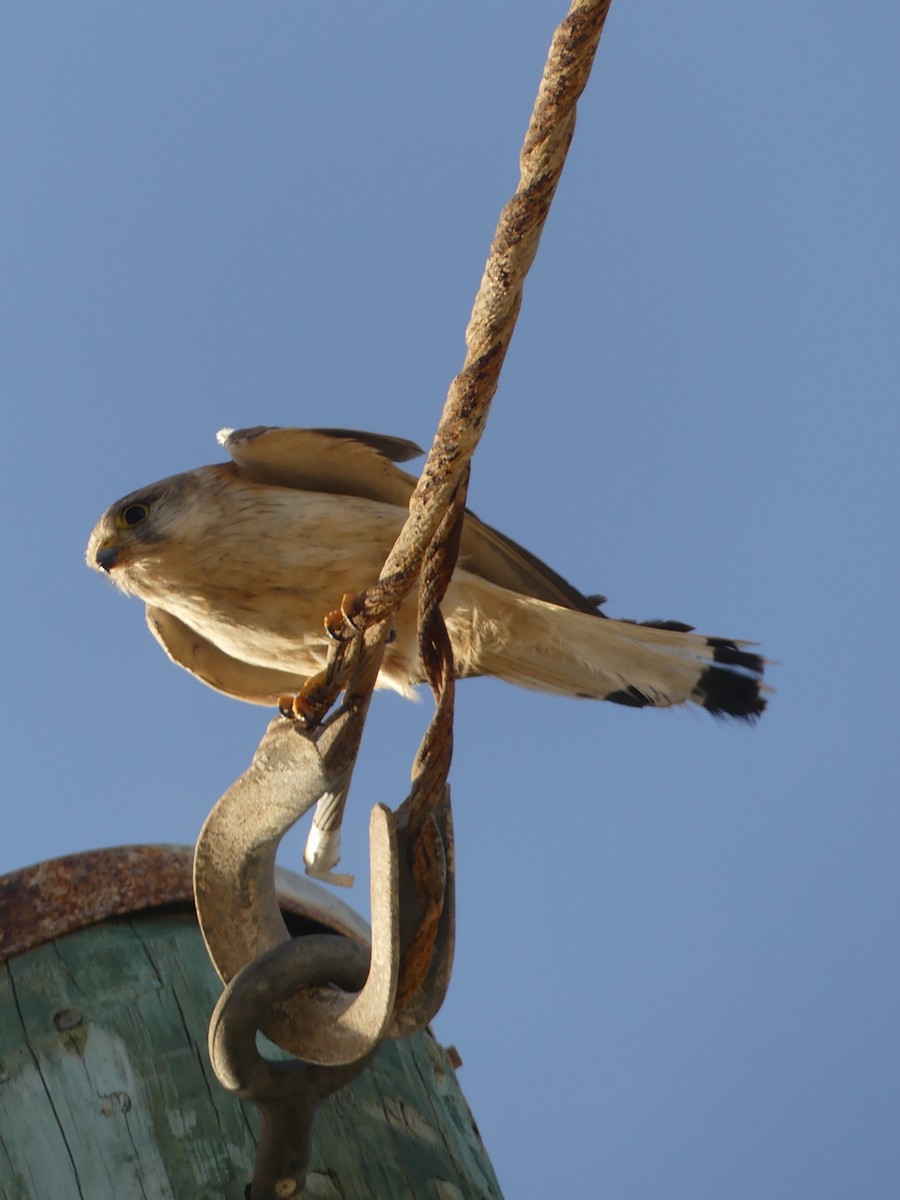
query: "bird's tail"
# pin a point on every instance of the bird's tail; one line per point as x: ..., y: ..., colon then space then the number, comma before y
x: 540, y: 645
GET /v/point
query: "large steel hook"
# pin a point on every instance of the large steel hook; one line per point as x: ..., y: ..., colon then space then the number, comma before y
x: 239, y: 915
x: 237, y: 905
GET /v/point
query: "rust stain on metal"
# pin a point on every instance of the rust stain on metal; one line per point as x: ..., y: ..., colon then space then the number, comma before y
x: 53, y: 898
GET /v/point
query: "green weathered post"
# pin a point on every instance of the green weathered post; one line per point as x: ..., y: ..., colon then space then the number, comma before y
x: 106, y: 1091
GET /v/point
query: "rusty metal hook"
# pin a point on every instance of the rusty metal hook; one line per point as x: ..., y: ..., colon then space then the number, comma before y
x: 424, y: 1005
x: 237, y: 905
x: 240, y: 918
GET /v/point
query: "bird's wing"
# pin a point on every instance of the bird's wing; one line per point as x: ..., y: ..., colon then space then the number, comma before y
x: 486, y: 552
x: 347, y: 462
x: 352, y: 463
x: 256, y: 685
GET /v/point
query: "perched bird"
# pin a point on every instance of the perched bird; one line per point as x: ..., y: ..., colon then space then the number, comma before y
x: 239, y: 562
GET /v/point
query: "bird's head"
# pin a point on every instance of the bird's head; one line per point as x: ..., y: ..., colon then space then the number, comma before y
x: 139, y: 531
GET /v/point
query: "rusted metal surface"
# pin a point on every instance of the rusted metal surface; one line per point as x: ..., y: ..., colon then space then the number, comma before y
x: 427, y: 922
x: 426, y: 812
x: 52, y: 898
x: 55, y: 897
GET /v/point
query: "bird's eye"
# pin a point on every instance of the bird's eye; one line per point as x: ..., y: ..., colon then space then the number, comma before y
x: 133, y: 514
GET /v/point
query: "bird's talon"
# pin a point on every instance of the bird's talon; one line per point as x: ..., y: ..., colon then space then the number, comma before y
x: 334, y: 625
x: 310, y: 705
x: 309, y: 718
x: 351, y: 609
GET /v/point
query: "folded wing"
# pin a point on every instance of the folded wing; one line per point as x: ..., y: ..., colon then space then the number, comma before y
x: 351, y: 462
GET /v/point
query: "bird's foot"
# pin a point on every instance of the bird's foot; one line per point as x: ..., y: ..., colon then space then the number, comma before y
x: 342, y: 623
x: 312, y: 702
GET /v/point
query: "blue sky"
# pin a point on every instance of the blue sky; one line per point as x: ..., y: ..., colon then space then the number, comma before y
x: 677, y: 970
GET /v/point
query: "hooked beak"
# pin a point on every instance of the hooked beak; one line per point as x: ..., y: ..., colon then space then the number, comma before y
x: 106, y: 557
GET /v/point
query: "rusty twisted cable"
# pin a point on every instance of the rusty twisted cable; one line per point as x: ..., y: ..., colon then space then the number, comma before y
x: 497, y: 302
x: 429, y: 854
x: 367, y: 615
x: 412, y: 892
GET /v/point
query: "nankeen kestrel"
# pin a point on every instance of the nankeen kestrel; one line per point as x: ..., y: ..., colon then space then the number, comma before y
x: 238, y: 563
